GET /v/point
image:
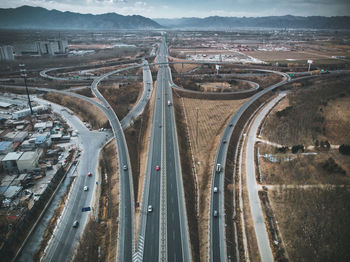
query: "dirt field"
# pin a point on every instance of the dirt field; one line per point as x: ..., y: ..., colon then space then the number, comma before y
x: 317, y: 225
x: 181, y: 68
x: 212, y: 116
x: 282, y: 55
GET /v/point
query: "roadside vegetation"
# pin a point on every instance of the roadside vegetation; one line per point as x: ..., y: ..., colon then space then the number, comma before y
x: 211, y: 117
x: 121, y: 96
x: 306, y: 177
x: 85, y: 111
x: 317, y: 225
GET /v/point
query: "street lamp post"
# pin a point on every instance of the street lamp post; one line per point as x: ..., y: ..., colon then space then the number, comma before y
x: 197, y: 108
x: 24, y: 75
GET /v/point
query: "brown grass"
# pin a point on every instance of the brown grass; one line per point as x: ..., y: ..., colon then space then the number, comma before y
x: 310, y: 115
x: 181, y: 68
x: 314, y: 222
x: 212, y: 117
x: 337, y: 120
x: 85, y: 111
x: 121, y: 98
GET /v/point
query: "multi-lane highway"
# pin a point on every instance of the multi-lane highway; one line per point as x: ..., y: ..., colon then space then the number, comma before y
x: 163, y: 231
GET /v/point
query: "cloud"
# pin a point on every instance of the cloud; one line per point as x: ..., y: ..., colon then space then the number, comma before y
x: 190, y: 8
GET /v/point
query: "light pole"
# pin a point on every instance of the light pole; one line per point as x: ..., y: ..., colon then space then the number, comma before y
x: 197, y: 108
x: 24, y: 75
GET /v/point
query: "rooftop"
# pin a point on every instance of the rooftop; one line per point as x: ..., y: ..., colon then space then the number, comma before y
x: 4, y: 145
x: 28, y: 155
x: 12, y: 156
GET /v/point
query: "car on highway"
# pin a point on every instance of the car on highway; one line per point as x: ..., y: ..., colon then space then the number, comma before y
x: 231, y: 125
x: 225, y: 141
x: 157, y: 168
x: 125, y: 167
x: 89, y: 174
x: 215, y: 189
x: 149, y: 209
x: 86, y: 188
x: 75, y: 223
x: 215, y: 213
x: 218, y: 168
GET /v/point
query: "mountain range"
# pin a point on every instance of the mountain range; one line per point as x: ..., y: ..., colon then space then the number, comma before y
x: 288, y: 21
x: 28, y: 17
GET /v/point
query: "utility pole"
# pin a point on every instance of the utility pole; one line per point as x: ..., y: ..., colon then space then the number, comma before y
x: 24, y: 75
x: 197, y: 108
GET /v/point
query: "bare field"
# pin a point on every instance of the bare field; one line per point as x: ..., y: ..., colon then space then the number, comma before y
x: 282, y: 55
x: 304, y: 169
x: 337, y: 120
x: 212, y: 117
x: 181, y: 68
x: 314, y: 222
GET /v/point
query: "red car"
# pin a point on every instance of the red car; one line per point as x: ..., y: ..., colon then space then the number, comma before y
x: 89, y: 174
x: 157, y: 168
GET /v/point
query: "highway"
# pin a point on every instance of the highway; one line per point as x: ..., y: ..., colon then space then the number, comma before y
x: 163, y: 234
x: 218, y: 248
x: 165, y: 154
x: 252, y: 186
x: 126, y: 203
x: 146, y: 95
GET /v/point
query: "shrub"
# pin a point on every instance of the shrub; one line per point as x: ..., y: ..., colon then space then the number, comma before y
x: 344, y: 149
x: 296, y: 148
x: 332, y: 167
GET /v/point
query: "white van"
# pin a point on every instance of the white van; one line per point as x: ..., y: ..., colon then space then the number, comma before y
x: 218, y: 168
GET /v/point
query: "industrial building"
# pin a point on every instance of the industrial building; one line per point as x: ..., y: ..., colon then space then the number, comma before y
x: 6, y: 53
x: 25, y: 112
x: 28, y: 161
x: 9, y: 162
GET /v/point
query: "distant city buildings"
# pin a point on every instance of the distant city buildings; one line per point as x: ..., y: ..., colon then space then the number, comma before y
x: 6, y: 53
x: 50, y: 48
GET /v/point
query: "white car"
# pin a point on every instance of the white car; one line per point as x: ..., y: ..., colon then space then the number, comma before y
x: 149, y: 209
x: 215, y: 189
x: 86, y: 188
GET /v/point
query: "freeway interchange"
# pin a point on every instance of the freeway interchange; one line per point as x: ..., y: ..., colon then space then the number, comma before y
x: 163, y: 232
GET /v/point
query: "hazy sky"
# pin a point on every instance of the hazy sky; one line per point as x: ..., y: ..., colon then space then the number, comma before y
x: 193, y: 8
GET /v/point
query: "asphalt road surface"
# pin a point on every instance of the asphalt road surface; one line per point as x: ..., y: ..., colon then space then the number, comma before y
x: 65, y: 236
x: 165, y: 236
x: 254, y: 200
